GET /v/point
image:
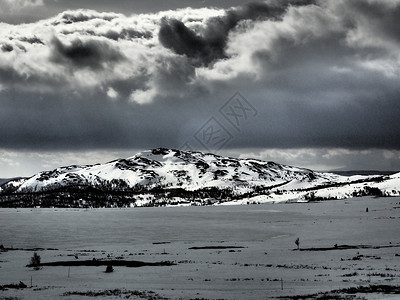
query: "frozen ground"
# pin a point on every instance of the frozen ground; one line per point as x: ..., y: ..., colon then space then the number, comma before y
x: 226, y: 252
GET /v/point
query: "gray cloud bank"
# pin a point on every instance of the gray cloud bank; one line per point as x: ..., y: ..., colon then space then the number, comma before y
x: 319, y: 73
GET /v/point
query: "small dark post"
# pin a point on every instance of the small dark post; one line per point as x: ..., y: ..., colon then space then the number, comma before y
x: 282, y: 284
x: 109, y: 269
x: 366, y: 210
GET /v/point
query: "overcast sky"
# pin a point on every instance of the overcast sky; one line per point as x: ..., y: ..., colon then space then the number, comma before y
x: 308, y: 83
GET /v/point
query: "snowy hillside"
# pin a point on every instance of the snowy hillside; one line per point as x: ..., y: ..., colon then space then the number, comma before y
x: 165, y: 176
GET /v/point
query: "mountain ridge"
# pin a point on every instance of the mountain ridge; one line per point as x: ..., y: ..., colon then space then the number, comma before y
x: 165, y: 176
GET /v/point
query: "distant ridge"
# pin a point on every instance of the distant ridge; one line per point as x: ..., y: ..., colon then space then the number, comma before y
x: 164, y: 176
x: 364, y: 172
x: 5, y: 180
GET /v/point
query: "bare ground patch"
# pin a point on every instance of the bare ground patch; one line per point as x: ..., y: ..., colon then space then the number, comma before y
x: 97, y: 263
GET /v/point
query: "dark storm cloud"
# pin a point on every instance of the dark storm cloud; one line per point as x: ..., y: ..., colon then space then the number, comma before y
x: 184, y: 41
x: 72, y: 122
x: 7, y: 48
x: 174, y: 75
x: 35, y: 85
x: 127, y: 34
x: 319, y: 75
x: 381, y: 19
x: 85, y: 54
x: 209, y: 45
x: 31, y: 40
x: 358, y: 124
x: 112, y: 34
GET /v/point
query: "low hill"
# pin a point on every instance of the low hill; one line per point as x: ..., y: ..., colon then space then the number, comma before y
x: 169, y: 177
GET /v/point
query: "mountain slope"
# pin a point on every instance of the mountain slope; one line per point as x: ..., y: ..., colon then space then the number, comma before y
x: 165, y: 176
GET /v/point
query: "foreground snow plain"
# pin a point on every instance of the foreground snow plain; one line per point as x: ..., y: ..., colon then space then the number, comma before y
x: 240, y: 252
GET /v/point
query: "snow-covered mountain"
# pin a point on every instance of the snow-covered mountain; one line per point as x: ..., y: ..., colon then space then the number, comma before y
x: 165, y: 176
